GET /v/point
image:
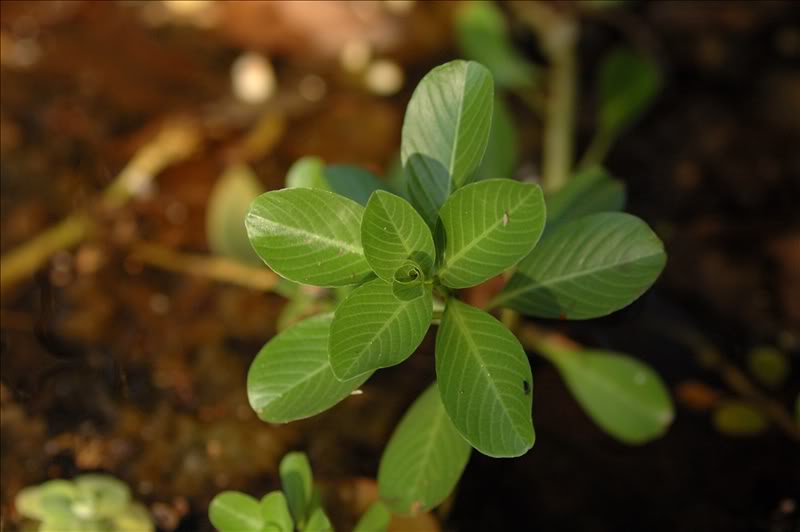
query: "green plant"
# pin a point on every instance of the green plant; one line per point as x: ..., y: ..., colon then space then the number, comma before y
x: 408, y: 259
x: 297, y: 507
x: 88, y: 503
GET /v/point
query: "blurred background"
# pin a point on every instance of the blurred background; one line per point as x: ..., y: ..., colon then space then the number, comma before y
x: 128, y: 323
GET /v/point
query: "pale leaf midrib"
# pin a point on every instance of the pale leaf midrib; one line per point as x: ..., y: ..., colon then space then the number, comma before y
x: 305, y: 234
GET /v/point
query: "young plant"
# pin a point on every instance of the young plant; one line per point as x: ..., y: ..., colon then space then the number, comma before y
x: 407, y: 261
x: 88, y: 503
x: 297, y: 507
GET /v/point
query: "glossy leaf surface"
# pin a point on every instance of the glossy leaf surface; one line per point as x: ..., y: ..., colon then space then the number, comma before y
x: 374, y: 329
x: 590, y: 191
x: 586, y: 268
x: 445, y: 133
x: 424, y: 457
x: 485, y: 381
x: 291, y: 377
x: 489, y: 226
x: 309, y: 236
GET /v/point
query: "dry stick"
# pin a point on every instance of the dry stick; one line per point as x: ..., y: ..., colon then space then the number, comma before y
x: 175, y: 142
x: 216, y: 268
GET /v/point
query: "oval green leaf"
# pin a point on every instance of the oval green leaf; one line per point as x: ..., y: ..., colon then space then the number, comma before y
x: 586, y: 268
x: 589, y: 191
x: 424, y: 457
x: 346, y: 180
x: 373, y: 329
x: 375, y: 519
x: 318, y: 522
x: 291, y: 378
x: 625, y: 397
x: 298, y: 483
x: 231, y: 511
x: 275, y: 511
x: 227, y: 207
x: 500, y: 159
x: 739, y: 418
x: 445, y: 132
x: 483, y: 35
x: 485, y: 381
x: 309, y: 236
x: 392, y: 233
x: 489, y: 226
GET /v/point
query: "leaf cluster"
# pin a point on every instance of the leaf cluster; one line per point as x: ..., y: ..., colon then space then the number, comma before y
x: 296, y: 508
x: 406, y: 255
x: 88, y: 503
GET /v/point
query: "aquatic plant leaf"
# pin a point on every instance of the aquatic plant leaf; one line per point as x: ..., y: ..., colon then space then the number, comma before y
x: 624, y: 396
x: 374, y: 329
x: 424, y: 458
x: 489, y: 226
x: 291, y: 378
x: 298, y: 484
x: 392, y: 233
x: 309, y: 236
x: 232, y: 511
x: 445, y: 133
x: 586, y: 268
x: 227, y: 207
x: 485, y: 381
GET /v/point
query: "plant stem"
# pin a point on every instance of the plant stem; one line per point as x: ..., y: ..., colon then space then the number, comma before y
x: 558, y: 37
x: 175, y: 142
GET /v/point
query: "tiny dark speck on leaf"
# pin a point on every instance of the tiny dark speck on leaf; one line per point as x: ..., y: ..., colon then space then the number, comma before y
x: 526, y: 387
x: 505, y: 218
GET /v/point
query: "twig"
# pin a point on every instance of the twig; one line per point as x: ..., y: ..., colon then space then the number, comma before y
x: 216, y: 268
x: 176, y: 141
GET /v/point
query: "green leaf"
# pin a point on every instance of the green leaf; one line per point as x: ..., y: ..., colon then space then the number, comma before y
x: 629, y: 83
x: 489, y: 226
x: 500, y: 159
x: 409, y: 282
x: 586, y: 268
x: 375, y: 519
x: 51, y: 498
x: 392, y: 233
x: 227, y: 206
x: 134, y: 518
x: 424, y: 457
x: 291, y: 377
x: 739, y: 418
x: 275, y: 510
x: 318, y: 522
x: 309, y: 236
x: 346, y: 180
x: 591, y: 190
x: 445, y: 132
x: 373, y: 329
x: 625, y: 397
x: 396, y: 177
x: 298, y: 483
x: 769, y: 365
x: 232, y: 511
x: 99, y: 496
x: 485, y: 381
x: 483, y: 36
